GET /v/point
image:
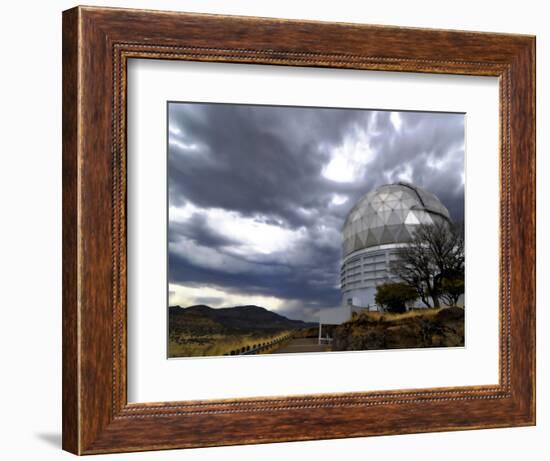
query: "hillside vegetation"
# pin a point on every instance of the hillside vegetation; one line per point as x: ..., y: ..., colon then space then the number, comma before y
x: 203, y: 331
x: 413, y: 329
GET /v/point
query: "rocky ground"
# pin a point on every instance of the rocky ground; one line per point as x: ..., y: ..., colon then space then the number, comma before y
x: 415, y: 329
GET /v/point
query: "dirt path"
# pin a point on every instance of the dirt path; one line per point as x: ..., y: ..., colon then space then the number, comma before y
x: 301, y: 345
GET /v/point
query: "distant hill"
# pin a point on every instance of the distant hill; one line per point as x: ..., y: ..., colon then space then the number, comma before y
x: 202, y: 319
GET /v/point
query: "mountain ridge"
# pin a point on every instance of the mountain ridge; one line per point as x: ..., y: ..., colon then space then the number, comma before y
x: 248, y: 317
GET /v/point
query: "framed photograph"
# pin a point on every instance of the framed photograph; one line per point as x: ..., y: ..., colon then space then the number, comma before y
x: 316, y: 242
x: 282, y: 230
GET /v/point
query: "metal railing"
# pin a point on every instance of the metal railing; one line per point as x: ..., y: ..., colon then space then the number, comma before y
x: 260, y: 347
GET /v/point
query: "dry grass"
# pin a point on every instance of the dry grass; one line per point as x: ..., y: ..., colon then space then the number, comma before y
x: 216, y: 344
x: 391, y: 317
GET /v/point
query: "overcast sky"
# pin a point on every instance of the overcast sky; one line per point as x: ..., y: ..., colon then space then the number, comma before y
x: 258, y: 195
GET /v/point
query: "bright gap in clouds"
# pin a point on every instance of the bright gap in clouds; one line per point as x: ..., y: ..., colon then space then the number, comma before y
x: 406, y: 174
x: 182, y: 145
x: 174, y: 130
x: 251, y: 235
x: 338, y: 199
x: 185, y: 295
x: 348, y: 160
x: 395, y: 118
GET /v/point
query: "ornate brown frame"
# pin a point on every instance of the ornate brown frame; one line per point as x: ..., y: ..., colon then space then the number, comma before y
x: 97, y: 43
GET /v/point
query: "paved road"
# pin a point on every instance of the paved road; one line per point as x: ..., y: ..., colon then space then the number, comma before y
x: 301, y: 345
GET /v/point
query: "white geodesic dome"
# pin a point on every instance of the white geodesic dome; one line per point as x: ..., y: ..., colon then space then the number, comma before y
x: 390, y: 214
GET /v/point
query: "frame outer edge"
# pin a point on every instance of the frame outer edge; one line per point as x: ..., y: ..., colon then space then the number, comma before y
x: 533, y: 55
x: 70, y: 178
x: 522, y: 237
x: 91, y: 421
x: 528, y: 69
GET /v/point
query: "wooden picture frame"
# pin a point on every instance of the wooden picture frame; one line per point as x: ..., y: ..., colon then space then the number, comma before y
x: 97, y: 42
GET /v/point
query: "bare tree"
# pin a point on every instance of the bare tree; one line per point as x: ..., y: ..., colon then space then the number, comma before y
x: 414, y: 268
x: 434, y: 255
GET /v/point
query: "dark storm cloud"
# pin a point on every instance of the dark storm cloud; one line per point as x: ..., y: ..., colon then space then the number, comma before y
x: 253, y: 159
x: 269, y: 164
x: 197, y: 229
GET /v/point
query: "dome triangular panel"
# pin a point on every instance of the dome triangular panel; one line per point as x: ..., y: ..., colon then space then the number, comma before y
x: 390, y: 214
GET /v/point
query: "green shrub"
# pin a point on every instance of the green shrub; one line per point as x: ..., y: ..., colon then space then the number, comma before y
x: 452, y: 289
x: 394, y: 297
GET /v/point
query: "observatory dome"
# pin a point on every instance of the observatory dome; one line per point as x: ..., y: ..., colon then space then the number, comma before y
x: 390, y: 214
